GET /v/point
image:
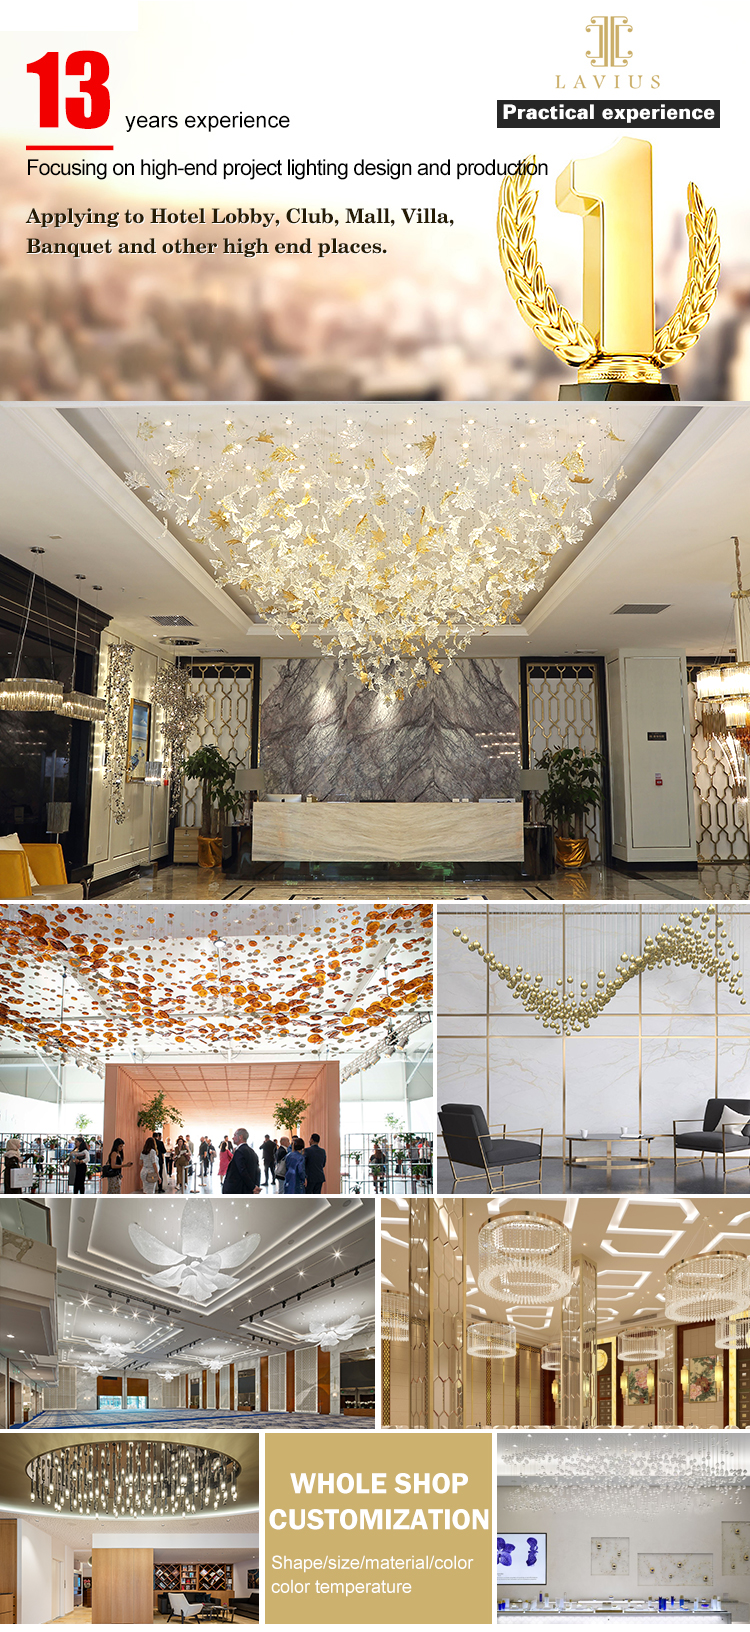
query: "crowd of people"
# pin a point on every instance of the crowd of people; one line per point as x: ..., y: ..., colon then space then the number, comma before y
x: 290, y: 1167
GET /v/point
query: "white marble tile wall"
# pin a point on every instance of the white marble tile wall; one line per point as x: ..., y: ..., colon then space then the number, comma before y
x: 690, y: 1036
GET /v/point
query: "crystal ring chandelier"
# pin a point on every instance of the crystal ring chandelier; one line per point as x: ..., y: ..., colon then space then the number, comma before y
x: 133, y: 1478
x: 707, y: 1288
x: 390, y: 548
x: 641, y: 1343
x: 551, y: 1356
x: 733, y: 1332
x: 525, y: 1258
x: 491, y: 1340
x: 394, y: 1317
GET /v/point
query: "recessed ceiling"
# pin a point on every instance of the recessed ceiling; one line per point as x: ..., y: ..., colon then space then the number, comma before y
x: 666, y: 539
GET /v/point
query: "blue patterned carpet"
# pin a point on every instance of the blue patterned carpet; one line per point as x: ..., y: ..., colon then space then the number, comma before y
x: 252, y: 1420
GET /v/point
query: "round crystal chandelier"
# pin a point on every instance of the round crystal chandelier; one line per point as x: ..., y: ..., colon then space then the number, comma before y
x: 524, y: 1258
x: 551, y: 1356
x: 491, y: 1340
x: 733, y: 1332
x: 707, y: 1288
x: 133, y: 1478
x: 391, y: 545
x: 394, y: 1317
x: 641, y: 1343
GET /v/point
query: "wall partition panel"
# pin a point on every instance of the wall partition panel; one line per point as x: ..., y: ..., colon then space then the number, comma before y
x: 561, y: 707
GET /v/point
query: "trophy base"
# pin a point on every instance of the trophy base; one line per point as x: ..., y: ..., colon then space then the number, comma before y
x: 618, y: 391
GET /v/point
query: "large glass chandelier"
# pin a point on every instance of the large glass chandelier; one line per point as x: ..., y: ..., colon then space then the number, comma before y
x: 706, y: 1288
x: 392, y: 546
x: 133, y: 1478
x: 642, y: 1343
x: 551, y: 1356
x: 491, y: 1340
x: 646, y: 1473
x: 524, y: 1258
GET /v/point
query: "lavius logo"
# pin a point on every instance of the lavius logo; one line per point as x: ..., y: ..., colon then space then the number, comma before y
x: 609, y: 49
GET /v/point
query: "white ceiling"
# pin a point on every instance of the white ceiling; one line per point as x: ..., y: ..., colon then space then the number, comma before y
x: 302, y: 1243
x: 80, y: 1534
x: 667, y: 538
x: 632, y: 1240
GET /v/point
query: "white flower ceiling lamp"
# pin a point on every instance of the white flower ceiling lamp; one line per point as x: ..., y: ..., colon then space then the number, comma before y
x: 392, y: 545
x: 328, y: 1335
x: 195, y: 1272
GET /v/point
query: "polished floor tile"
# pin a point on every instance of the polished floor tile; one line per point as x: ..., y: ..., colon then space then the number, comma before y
x: 659, y: 1180
x: 593, y: 883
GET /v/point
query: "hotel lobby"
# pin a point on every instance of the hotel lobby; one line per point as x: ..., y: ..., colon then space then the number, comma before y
x: 294, y: 650
x: 120, y: 1021
x: 590, y: 1313
x: 187, y: 1312
x: 612, y: 1527
x: 595, y: 1048
x: 129, y: 1530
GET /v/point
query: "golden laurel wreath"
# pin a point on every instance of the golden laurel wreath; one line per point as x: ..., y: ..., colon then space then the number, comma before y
x: 553, y: 323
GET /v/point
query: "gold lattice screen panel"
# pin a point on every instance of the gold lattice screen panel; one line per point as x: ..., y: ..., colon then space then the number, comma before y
x: 721, y: 829
x: 228, y: 693
x: 563, y: 710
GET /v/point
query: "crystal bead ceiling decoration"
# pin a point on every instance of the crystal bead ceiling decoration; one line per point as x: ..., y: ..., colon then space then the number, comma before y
x: 391, y: 545
x: 641, y: 1343
x: 491, y: 1340
x: 524, y: 1258
x: 133, y: 1478
x: 650, y: 1473
x: 707, y: 1287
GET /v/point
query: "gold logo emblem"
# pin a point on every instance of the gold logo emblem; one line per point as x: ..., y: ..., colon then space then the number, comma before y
x: 609, y: 51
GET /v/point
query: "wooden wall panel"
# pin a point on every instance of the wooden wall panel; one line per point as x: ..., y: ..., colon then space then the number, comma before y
x: 122, y: 1101
x: 122, y: 1589
x: 8, y: 1555
x: 323, y: 1117
x: 324, y: 1383
x: 290, y: 1380
x: 264, y: 1382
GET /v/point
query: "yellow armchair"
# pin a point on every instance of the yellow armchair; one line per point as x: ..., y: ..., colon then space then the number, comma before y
x: 43, y: 862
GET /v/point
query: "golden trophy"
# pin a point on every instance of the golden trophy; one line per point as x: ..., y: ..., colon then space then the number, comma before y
x: 618, y: 353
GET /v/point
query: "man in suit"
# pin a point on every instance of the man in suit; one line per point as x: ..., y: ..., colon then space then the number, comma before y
x: 242, y: 1176
x: 315, y: 1165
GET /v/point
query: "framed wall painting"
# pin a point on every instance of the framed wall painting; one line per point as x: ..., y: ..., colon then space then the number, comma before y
x: 139, y: 732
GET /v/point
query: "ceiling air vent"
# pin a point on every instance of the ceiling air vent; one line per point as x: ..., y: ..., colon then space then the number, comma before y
x: 637, y: 610
x: 172, y: 640
x: 174, y: 621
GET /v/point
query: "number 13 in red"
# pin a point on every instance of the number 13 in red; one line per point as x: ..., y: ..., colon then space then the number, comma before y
x: 93, y: 68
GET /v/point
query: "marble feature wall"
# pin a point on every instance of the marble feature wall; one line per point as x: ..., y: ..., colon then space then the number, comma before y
x: 610, y: 1555
x: 658, y: 1052
x: 324, y: 734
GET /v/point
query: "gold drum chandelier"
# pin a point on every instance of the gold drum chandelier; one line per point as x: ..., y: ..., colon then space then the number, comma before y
x: 391, y: 546
x: 733, y: 1332
x: 524, y: 1258
x: 640, y: 1344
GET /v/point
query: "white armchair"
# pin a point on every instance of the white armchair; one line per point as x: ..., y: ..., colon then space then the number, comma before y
x: 181, y: 1609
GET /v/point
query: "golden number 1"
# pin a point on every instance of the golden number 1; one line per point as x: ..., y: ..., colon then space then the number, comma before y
x: 612, y: 192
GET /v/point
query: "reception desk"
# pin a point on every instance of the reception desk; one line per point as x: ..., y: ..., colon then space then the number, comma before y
x: 329, y: 831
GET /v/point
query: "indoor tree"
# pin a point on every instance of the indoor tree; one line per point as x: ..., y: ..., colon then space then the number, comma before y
x: 156, y: 1112
x: 574, y: 786
x: 218, y: 793
x: 288, y: 1114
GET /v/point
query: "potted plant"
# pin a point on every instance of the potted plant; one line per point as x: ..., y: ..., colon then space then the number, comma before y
x: 288, y: 1114
x: 156, y: 1112
x: 574, y: 786
x: 219, y: 798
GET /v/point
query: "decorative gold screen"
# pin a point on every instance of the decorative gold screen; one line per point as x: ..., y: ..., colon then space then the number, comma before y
x: 563, y: 710
x: 721, y: 829
x: 419, y: 1312
x: 446, y: 1307
x: 228, y: 690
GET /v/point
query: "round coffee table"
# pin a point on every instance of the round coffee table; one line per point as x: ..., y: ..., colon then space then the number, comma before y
x: 605, y: 1160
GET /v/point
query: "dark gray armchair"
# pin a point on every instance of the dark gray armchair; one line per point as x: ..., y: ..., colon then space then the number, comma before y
x: 469, y: 1143
x: 711, y: 1140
